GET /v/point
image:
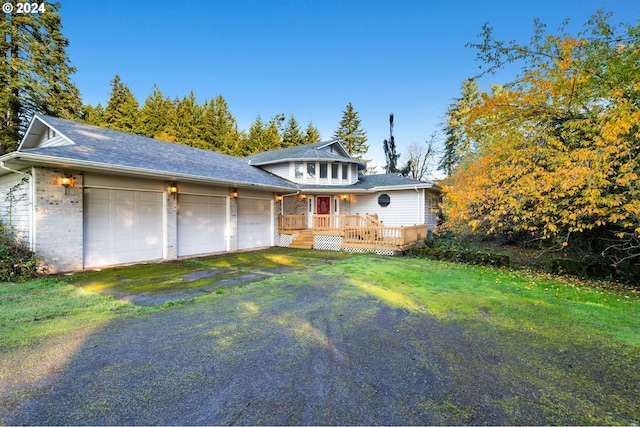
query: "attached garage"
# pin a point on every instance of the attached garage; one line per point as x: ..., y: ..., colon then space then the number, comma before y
x: 255, y: 223
x: 202, y: 224
x: 122, y: 226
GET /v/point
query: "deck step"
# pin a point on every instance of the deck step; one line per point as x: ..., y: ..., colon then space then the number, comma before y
x: 304, y: 240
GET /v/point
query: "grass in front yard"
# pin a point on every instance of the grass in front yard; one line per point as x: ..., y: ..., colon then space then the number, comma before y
x: 545, y: 305
x: 49, y: 307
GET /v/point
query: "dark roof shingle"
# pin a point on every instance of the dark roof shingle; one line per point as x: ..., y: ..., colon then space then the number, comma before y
x: 110, y: 147
x: 301, y: 152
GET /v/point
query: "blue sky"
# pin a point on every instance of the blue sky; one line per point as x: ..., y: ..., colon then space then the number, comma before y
x: 307, y: 58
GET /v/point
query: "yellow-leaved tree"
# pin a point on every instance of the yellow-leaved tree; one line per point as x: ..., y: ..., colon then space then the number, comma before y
x: 556, y: 153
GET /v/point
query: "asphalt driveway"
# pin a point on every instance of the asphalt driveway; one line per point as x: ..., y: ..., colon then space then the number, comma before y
x: 299, y: 349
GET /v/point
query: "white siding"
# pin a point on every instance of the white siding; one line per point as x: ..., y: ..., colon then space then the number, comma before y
x: 353, y: 174
x: 404, y: 209
x: 56, y: 141
x: 284, y: 170
x: 15, y: 203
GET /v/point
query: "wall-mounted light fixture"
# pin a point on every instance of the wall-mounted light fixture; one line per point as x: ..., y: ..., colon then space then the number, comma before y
x: 172, y: 189
x: 344, y: 197
x: 66, y: 181
x: 278, y: 197
x: 234, y: 194
x: 303, y: 196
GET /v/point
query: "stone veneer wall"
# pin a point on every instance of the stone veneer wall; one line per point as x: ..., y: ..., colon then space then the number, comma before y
x: 58, y: 219
x: 170, y: 225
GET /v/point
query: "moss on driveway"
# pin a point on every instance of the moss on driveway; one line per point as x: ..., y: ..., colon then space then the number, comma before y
x: 158, y: 283
x: 364, y: 340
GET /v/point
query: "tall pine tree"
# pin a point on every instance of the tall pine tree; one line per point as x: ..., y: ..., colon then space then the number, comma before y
x: 351, y: 135
x: 256, y: 139
x: 456, y: 143
x: 35, y: 72
x: 292, y: 134
x: 122, y: 109
x: 154, y: 114
x: 184, y: 122
x: 311, y: 135
x: 218, y: 127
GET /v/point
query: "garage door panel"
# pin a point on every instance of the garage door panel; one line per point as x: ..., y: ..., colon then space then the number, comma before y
x: 122, y: 226
x: 202, y: 222
x: 255, y: 226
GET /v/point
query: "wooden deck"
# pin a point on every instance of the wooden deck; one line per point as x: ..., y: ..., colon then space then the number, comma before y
x: 355, y: 232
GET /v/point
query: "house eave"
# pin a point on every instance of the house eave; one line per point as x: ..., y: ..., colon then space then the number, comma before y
x: 22, y: 159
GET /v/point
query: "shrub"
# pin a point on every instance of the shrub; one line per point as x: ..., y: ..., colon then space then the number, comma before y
x: 596, y: 268
x: 478, y: 258
x: 17, y: 261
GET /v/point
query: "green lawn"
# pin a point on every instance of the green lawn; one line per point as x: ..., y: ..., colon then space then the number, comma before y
x: 553, y: 307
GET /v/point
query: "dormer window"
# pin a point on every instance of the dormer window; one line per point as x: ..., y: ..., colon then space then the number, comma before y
x: 51, y: 133
x: 345, y: 171
x: 299, y: 168
x: 311, y: 170
x: 334, y: 171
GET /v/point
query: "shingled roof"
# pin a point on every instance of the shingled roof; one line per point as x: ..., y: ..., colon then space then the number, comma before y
x: 306, y: 152
x: 85, y: 146
x: 367, y: 183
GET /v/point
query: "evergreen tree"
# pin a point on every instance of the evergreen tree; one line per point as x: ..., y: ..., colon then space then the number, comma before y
x: 35, y: 72
x: 184, y: 122
x: 93, y: 115
x: 122, y: 109
x: 273, y: 138
x: 390, y: 150
x: 218, y: 128
x: 264, y: 137
x: 456, y: 143
x: 311, y: 135
x: 256, y: 137
x: 155, y: 113
x: 292, y: 135
x: 352, y: 137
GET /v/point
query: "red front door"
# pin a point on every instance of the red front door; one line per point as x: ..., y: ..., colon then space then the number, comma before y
x: 323, y: 205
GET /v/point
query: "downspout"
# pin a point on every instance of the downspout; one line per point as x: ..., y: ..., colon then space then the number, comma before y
x: 5, y: 167
x: 419, y: 204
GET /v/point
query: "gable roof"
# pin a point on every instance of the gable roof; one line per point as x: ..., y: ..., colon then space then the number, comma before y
x: 94, y: 148
x: 329, y: 151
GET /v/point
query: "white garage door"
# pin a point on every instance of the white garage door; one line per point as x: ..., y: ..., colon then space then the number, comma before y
x: 254, y: 223
x: 121, y: 226
x: 202, y: 221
